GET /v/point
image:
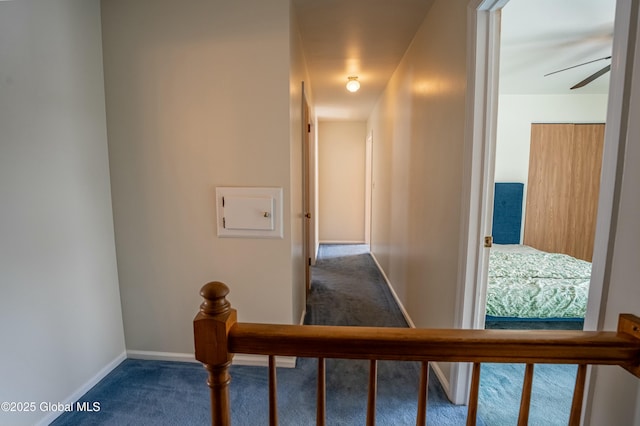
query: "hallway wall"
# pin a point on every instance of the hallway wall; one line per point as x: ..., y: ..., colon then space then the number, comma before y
x: 341, y: 174
x: 60, y: 317
x: 188, y: 111
x: 417, y: 168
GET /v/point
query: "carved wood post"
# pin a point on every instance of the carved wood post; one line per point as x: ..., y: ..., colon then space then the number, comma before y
x: 211, y: 329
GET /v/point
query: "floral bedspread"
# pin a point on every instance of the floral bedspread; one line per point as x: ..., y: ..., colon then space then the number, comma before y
x: 527, y: 283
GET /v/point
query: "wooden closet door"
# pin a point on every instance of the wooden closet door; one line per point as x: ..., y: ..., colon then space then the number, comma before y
x: 563, y: 188
x: 587, y: 160
x: 549, y: 187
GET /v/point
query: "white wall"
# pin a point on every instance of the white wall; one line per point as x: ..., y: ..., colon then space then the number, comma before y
x: 341, y: 174
x: 60, y: 318
x: 417, y: 174
x: 418, y: 150
x: 198, y: 96
x: 617, y: 392
x: 517, y: 112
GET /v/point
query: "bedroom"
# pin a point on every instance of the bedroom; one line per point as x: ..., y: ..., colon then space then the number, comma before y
x: 543, y: 116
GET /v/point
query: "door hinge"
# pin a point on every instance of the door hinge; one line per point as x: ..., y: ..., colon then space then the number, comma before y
x: 309, y: 261
x: 488, y: 241
x: 224, y: 222
x: 308, y: 128
x: 222, y: 201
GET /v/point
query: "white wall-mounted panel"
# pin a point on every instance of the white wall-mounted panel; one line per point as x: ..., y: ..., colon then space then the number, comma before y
x: 249, y: 212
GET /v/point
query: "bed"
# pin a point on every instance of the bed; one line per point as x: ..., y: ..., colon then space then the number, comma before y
x: 525, y: 283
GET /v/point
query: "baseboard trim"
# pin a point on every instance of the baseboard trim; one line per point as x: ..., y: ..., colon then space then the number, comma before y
x: 238, y: 359
x: 161, y: 356
x: 263, y: 360
x: 77, y: 394
x: 444, y: 381
x: 393, y: 292
x: 340, y: 242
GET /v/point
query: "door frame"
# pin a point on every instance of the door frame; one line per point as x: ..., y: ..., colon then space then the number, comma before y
x: 368, y: 188
x: 483, y: 24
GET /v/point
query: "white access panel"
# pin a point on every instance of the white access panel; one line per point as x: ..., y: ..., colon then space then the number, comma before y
x: 249, y: 212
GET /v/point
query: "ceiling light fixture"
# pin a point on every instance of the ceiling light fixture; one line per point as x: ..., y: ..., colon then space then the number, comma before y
x: 353, y: 84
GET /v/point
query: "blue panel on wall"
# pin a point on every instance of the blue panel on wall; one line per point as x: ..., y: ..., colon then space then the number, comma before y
x: 507, y: 213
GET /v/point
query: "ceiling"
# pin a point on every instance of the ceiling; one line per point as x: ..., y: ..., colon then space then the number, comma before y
x: 368, y: 38
x: 542, y: 36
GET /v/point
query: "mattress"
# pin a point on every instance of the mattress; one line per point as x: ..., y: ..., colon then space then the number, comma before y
x: 528, y: 283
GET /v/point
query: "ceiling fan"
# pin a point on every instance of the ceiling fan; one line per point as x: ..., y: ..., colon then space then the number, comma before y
x: 589, y: 79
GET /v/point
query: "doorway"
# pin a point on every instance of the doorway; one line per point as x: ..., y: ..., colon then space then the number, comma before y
x: 368, y: 188
x: 546, y: 133
x: 480, y: 141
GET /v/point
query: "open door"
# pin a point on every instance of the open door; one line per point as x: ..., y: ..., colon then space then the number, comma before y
x: 307, y: 190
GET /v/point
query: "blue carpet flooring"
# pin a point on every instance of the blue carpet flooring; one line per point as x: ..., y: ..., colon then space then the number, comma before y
x: 552, y: 390
x: 347, y: 289
x: 551, y: 394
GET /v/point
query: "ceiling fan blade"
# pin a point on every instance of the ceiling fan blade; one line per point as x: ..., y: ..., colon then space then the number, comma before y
x: 592, y: 77
x: 579, y: 65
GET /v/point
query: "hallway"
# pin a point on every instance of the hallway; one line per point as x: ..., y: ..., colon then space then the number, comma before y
x: 348, y: 289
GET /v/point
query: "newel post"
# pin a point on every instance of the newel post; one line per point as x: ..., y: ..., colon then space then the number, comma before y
x: 211, y: 330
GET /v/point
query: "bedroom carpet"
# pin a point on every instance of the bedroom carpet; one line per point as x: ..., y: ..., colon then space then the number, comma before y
x: 551, y: 394
x: 552, y: 391
x: 347, y: 290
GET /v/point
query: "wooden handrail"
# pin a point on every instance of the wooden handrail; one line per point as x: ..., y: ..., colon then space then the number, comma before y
x: 218, y: 336
x: 413, y: 344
